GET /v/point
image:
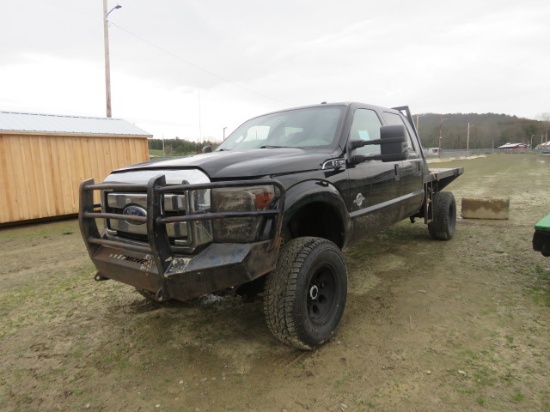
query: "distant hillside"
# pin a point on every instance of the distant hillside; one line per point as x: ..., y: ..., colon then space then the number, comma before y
x: 486, y: 130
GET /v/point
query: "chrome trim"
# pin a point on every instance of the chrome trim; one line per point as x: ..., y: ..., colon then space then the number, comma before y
x: 334, y: 164
x: 182, y: 234
x: 172, y: 203
x: 174, y: 230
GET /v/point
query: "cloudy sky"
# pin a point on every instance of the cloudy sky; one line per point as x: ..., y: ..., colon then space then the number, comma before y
x: 191, y: 68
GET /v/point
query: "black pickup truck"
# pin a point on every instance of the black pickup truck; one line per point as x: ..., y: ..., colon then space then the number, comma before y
x: 268, y: 212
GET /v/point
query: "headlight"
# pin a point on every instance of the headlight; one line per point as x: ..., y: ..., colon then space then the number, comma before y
x: 199, y: 201
x: 240, y: 199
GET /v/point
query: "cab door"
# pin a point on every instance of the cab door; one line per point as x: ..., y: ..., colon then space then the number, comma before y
x: 411, y: 170
x: 373, y: 190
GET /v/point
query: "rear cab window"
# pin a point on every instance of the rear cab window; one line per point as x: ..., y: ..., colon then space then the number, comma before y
x: 394, y: 119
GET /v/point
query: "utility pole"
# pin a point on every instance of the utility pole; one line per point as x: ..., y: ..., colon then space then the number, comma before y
x: 418, y: 116
x: 107, y: 63
x: 441, y: 134
x: 468, y: 137
x: 200, y: 126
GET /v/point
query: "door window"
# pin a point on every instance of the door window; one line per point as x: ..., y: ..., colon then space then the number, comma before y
x: 366, y: 126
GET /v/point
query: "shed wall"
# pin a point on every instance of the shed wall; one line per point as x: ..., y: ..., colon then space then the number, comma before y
x: 40, y: 175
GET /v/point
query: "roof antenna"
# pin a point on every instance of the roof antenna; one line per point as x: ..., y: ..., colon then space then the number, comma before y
x: 323, y: 102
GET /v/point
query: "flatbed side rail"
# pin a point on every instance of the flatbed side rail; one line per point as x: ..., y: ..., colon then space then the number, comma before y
x: 442, y: 177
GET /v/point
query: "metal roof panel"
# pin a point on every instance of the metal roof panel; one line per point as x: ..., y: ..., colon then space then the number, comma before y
x: 57, y: 124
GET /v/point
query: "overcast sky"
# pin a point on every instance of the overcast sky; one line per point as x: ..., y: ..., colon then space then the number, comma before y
x: 190, y: 68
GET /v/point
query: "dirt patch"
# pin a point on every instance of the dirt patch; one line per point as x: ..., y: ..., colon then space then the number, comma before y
x: 429, y: 326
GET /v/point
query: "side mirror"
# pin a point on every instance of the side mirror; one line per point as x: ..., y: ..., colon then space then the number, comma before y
x: 393, y: 145
x: 207, y: 149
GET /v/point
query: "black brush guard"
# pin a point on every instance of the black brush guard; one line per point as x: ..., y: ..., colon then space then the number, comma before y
x: 154, y: 266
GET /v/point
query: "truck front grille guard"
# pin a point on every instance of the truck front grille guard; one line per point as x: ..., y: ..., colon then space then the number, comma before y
x: 158, y: 241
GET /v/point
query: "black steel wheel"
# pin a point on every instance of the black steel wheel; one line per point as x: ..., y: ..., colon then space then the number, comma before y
x: 304, y: 298
x: 443, y: 225
x: 321, y: 293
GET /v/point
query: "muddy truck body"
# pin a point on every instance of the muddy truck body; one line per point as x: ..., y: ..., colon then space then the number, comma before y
x: 268, y: 212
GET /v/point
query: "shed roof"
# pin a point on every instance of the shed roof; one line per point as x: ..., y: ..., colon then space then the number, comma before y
x: 57, y: 124
x: 512, y: 145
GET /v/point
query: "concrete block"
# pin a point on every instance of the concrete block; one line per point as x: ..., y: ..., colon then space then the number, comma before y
x: 486, y: 208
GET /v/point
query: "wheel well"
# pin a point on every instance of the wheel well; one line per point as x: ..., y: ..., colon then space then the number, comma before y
x: 317, y: 219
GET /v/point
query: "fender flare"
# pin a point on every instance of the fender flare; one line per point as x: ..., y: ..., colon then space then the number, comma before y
x: 313, y: 191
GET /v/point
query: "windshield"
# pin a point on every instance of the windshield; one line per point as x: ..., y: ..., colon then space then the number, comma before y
x: 308, y: 127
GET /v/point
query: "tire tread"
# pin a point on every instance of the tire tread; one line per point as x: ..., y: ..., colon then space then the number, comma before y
x: 441, y: 228
x: 281, y: 287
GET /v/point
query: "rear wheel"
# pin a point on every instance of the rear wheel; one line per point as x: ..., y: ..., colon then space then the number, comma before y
x: 443, y: 225
x: 305, y: 296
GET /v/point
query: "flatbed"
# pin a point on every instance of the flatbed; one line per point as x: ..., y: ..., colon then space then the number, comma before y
x: 443, y: 176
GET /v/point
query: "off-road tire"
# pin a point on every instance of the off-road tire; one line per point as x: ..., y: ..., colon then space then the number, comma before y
x: 305, y: 296
x: 443, y: 225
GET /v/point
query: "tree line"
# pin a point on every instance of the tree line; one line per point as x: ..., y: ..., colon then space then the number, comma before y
x: 177, y: 146
x: 487, y: 130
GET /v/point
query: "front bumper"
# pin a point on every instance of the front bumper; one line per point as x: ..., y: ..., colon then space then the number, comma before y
x: 153, y: 266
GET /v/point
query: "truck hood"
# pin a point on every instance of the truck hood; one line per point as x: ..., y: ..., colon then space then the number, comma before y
x: 234, y: 165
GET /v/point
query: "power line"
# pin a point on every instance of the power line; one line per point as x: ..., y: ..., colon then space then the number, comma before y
x: 193, y: 64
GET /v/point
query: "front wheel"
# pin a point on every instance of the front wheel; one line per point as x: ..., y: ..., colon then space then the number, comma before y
x: 443, y: 225
x: 304, y: 297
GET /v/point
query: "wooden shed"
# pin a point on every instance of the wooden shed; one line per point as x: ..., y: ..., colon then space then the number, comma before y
x: 43, y: 159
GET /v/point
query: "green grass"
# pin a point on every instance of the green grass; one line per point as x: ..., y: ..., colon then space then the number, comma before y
x: 480, y: 401
x: 484, y: 377
x: 39, y: 231
x: 466, y: 390
x: 155, y: 152
x: 540, y: 287
x: 518, y: 397
x: 158, y: 152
